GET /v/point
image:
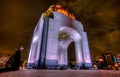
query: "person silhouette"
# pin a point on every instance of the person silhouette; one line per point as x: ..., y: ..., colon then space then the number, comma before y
x: 17, y: 58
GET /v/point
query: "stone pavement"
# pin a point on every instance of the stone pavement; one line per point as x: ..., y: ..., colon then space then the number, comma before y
x: 61, y: 73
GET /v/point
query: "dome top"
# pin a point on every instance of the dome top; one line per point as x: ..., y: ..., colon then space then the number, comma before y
x: 60, y: 9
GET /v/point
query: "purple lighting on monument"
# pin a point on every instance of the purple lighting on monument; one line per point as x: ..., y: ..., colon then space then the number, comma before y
x: 51, y: 38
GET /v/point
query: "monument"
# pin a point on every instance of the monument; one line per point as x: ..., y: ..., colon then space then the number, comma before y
x: 55, y: 31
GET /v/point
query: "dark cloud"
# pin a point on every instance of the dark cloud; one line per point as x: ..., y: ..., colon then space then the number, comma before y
x: 17, y: 22
x: 100, y: 19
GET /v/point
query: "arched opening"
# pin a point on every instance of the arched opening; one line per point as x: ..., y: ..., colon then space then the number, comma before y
x: 71, y: 55
x: 69, y: 38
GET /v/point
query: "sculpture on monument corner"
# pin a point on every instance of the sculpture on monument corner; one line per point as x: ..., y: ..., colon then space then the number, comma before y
x: 55, y: 31
x: 16, y: 58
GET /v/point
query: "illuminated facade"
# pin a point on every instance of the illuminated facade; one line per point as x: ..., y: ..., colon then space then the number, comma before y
x: 51, y: 39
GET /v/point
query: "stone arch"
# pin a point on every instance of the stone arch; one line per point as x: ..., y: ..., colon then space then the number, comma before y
x: 64, y: 43
x: 45, y: 49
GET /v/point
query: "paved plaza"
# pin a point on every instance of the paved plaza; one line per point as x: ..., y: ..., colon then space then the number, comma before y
x: 61, y: 73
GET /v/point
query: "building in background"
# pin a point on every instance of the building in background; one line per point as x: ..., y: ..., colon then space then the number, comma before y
x: 107, y: 61
x: 118, y: 58
x: 110, y: 61
x: 12, y: 61
x: 98, y: 62
x: 3, y: 61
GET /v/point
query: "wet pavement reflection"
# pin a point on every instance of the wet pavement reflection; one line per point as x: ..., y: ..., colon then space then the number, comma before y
x: 61, y: 73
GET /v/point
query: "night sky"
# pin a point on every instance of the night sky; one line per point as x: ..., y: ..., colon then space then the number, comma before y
x: 100, y: 18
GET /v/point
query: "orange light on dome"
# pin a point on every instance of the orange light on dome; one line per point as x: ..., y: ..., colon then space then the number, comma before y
x: 59, y: 9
